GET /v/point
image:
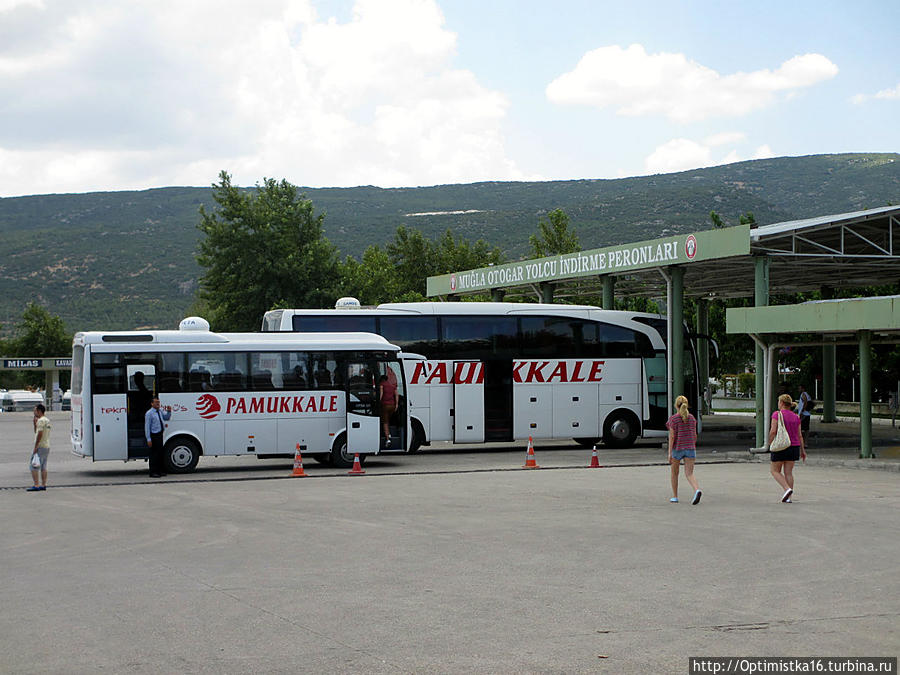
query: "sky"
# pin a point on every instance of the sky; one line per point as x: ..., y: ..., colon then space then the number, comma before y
x: 102, y: 95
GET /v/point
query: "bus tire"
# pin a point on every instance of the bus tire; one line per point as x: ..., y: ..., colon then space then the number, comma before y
x: 620, y: 429
x: 586, y: 442
x: 340, y: 458
x: 418, y: 435
x: 323, y: 458
x: 182, y: 454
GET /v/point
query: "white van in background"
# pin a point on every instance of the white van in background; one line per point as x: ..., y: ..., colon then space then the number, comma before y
x: 18, y: 400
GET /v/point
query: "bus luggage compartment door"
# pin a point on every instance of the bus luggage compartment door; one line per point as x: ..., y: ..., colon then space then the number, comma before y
x: 468, y: 402
x: 110, y: 427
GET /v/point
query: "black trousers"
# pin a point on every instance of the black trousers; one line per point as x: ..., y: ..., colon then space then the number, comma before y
x: 157, y: 463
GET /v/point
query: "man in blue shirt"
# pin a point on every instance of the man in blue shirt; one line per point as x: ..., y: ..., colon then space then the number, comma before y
x: 153, y: 430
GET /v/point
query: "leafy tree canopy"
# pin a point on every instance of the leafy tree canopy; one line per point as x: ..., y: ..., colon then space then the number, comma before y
x: 555, y: 237
x: 263, y: 249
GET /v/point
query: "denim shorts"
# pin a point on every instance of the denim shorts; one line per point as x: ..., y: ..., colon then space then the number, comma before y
x: 681, y: 454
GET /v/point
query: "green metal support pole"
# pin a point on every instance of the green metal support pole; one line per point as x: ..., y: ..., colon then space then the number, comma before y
x: 609, y: 292
x: 703, y: 352
x: 497, y: 294
x: 829, y: 372
x: 677, y: 320
x: 546, y: 293
x: 761, y: 299
x: 865, y: 394
x: 829, y: 389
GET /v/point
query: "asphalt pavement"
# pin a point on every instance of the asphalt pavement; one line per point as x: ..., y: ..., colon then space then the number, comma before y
x: 454, y: 560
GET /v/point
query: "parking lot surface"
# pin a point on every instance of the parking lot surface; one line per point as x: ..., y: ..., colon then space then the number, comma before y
x: 448, y: 561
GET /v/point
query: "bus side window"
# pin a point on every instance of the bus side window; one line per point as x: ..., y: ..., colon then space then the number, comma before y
x: 295, y: 366
x: 171, y: 376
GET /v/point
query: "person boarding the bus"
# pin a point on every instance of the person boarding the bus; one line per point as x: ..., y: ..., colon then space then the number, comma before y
x: 41, y: 449
x: 683, y: 446
x: 153, y: 430
x: 387, y: 395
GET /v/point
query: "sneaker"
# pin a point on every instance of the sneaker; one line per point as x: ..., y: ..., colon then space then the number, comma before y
x: 786, y: 497
x: 674, y: 500
x: 33, y: 488
x: 387, y: 442
x: 696, y: 499
x: 788, y: 501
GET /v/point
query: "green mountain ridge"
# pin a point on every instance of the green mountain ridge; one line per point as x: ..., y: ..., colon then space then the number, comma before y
x: 123, y: 260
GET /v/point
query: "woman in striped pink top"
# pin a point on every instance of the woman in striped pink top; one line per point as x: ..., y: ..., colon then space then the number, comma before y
x: 683, y: 446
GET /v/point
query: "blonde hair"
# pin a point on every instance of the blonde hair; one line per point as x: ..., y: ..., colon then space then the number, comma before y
x: 681, y: 405
x: 786, y: 401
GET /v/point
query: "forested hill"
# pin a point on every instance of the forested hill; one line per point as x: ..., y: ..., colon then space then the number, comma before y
x: 125, y: 259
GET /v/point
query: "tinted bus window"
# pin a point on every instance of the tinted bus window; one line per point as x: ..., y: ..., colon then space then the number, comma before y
x: 172, y: 374
x: 109, y: 374
x: 295, y: 371
x: 265, y: 371
x: 556, y: 336
x: 479, y: 337
x: 411, y: 333
x: 616, y: 341
x: 337, y: 323
x: 220, y: 371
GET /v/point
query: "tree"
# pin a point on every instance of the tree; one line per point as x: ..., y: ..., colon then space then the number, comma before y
x: 371, y: 280
x: 415, y: 258
x: 555, y: 237
x: 717, y: 220
x: 748, y: 219
x: 261, y: 250
x: 41, y: 334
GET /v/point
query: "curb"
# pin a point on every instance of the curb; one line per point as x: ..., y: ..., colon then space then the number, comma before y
x: 843, y: 462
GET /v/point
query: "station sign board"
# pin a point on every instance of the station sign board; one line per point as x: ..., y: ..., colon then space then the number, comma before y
x: 682, y: 249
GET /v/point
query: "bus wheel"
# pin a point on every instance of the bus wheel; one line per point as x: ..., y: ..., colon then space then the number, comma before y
x: 340, y: 458
x: 586, y: 442
x: 182, y: 455
x: 620, y: 429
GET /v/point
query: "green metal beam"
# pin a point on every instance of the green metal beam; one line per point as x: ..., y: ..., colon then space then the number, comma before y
x: 832, y: 316
x: 865, y: 394
x: 829, y: 382
x: 761, y: 297
x: 609, y: 292
x: 677, y: 319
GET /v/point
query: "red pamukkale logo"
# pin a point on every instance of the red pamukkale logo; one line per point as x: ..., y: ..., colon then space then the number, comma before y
x: 208, y: 406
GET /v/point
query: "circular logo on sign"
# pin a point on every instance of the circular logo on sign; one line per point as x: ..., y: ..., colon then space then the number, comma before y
x: 452, y: 282
x: 208, y: 406
x: 690, y: 247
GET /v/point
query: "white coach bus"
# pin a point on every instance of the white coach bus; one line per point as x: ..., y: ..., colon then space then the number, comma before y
x: 506, y: 371
x: 234, y: 394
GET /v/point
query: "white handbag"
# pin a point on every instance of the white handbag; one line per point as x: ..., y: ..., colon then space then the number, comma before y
x: 35, y: 461
x: 781, y: 440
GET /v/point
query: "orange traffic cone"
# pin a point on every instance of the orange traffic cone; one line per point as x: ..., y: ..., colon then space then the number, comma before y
x: 357, y: 469
x: 530, y: 462
x: 595, y: 460
x: 298, y: 464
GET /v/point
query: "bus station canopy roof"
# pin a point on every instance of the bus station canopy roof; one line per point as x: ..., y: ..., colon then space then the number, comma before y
x: 845, y: 250
x: 880, y: 315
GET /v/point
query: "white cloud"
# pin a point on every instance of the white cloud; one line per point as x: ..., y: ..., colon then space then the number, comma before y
x: 891, y: 94
x: 108, y: 95
x: 679, y: 154
x: 683, y: 154
x: 725, y: 138
x: 637, y: 83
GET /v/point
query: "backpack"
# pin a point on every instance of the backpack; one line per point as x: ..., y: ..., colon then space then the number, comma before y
x: 810, y: 405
